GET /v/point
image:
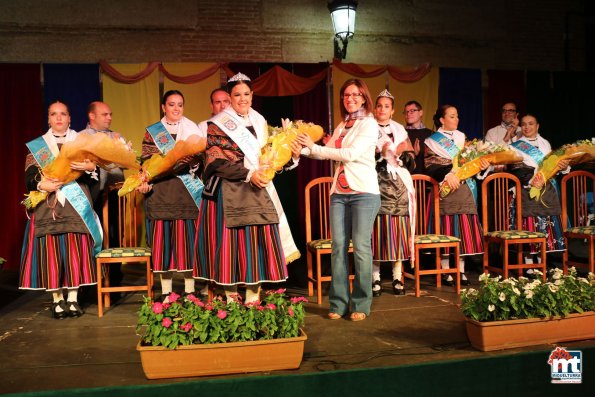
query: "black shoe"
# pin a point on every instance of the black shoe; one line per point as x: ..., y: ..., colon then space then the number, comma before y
x: 464, y: 281
x: 447, y: 282
x: 376, y: 293
x: 74, y: 310
x: 59, y: 315
x: 398, y: 291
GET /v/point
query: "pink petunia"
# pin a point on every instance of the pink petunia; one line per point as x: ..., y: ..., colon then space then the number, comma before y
x: 173, y: 297
x: 222, y: 314
x: 157, y: 308
x: 297, y: 299
x: 166, y: 322
x: 290, y: 311
x: 186, y: 327
x: 271, y: 306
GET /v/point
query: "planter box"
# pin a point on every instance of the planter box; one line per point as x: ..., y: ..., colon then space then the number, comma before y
x: 222, y: 358
x: 498, y: 335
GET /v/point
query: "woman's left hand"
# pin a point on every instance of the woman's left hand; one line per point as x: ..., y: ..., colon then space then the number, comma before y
x: 563, y: 164
x: 305, y: 140
x: 537, y: 181
x: 259, y: 179
x: 85, y: 165
x: 484, y: 164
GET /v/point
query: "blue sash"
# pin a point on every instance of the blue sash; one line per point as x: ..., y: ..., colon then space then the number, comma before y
x: 536, y: 155
x: 72, y: 191
x: 452, y: 149
x: 165, y: 142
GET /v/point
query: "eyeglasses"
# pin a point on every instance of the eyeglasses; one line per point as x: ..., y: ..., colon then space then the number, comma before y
x: 410, y: 111
x: 508, y: 110
x: 354, y: 95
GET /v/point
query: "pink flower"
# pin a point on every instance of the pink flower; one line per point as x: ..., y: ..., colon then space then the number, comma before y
x: 186, y: 327
x: 297, y: 299
x: 259, y: 307
x: 209, y: 306
x: 173, y: 297
x: 280, y: 291
x: 290, y: 311
x: 199, y: 303
x: 166, y: 322
x: 157, y: 308
x: 222, y: 314
x: 166, y: 305
x: 271, y: 306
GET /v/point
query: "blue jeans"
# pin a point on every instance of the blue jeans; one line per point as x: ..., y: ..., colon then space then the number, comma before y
x: 352, y: 218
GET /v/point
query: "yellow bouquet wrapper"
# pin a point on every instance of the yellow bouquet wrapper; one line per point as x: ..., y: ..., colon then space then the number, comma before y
x: 160, y: 164
x: 578, y: 152
x: 100, y: 148
x: 277, y: 152
x: 467, y: 163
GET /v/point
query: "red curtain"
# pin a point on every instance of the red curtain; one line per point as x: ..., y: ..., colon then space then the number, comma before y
x: 402, y: 74
x: 24, y: 119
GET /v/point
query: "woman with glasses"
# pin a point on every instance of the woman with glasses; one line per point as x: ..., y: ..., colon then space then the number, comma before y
x: 392, y: 235
x: 458, y: 210
x: 355, y: 199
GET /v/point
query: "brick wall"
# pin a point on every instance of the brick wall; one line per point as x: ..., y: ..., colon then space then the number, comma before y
x: 531, y: 34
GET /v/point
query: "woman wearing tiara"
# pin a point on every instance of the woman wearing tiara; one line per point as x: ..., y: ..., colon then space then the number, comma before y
x: 392, y: 236
x: 243, y: 237
x: 170, y: 207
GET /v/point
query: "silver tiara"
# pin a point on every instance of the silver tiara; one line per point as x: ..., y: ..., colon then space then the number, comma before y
x: 239, y: 77
x: 386, y: 94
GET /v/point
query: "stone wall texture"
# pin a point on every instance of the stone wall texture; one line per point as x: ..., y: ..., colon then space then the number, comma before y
x: 506, y: 34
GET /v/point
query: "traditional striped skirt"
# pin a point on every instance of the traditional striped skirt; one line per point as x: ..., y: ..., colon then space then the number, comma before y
x: 56, y: 261
x: 551, y: 226
x: 171, y: 244
x: 390, y: 238
x: 466, y: 227
x: 240, y: 255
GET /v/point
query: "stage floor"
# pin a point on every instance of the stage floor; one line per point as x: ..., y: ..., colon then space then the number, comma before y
x: 40, y: 353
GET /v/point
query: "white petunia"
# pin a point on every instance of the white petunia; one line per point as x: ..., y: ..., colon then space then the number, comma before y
x: 491, y: 308
x: 502, y: 296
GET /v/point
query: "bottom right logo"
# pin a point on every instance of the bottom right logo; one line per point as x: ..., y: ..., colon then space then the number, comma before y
x: 566, y: 365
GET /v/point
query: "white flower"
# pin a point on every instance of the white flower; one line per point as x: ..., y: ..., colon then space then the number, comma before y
x: 537, y: 273
x: 558, y: 282
x: 556, y: 273
x: 516, y: 291
x: 529, y: 294
x: 502, y: 296
x: 491, y: 308
x: 484, y: 276
x: 552, y: 287
x: 583, y: 280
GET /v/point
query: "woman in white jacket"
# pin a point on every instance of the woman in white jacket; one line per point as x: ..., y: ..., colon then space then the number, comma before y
x: 355, y: 199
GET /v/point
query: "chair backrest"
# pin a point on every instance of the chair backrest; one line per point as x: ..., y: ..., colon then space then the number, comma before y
x: 427, y: 200
x: 123, y: 228
x: 496, y: 196
x: 318, y: 198
x: 577, y: 198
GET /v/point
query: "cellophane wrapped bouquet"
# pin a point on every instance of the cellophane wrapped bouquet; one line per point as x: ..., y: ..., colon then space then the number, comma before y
x: 100, y: 148
x: 160, y: 164
x: 467, y: 162
x: 578, y: 152
x: 277, y: 152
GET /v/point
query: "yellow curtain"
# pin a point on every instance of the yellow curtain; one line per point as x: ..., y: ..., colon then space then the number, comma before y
x: 375, y: 84
x: 424, y: 91
x: 134, y: 106
x: 197, y: 95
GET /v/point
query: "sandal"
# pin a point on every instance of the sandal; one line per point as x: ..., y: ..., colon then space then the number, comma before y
x: 357, y: 316
x: 334, y: 316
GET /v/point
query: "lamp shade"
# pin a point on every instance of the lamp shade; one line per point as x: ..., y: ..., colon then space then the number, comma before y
x: 343, y: 16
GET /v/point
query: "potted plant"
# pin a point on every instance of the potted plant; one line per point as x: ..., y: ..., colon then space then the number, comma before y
x: 187, y: 337
x: 519, y: 312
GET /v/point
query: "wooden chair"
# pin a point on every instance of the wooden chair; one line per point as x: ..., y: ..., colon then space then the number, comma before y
x: 576, y: 186
x: 428, y: 210
x: 496, y: 216
x: 126, y: 252
x: 318, y: 232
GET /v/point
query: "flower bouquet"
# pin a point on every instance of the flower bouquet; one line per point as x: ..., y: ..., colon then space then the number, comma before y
x: 187, y: 321
x: 100, y: 148
x: 578, y: 152
x: 467, y: 162
x: 277, y: 152
x: 522, y: 298
x: 160, y: 164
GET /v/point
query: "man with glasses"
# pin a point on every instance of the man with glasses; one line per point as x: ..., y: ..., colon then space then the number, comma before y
x: 417, y: 131
x: 508, y: 128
